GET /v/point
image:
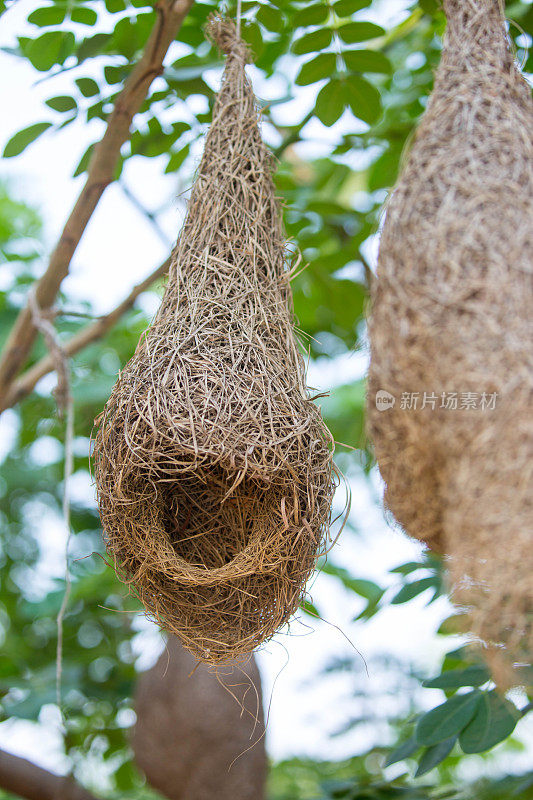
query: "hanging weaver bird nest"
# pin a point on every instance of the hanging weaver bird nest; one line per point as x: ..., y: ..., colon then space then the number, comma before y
x: 213, y: 467
x: 451, y: 329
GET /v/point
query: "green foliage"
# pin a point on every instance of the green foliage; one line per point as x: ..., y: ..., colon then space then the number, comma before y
x: 351, y: 91
x: 476, y: 719
x: 447, y: 719
x: 23, y: 138
x: 318, y: 68
x: 434, y: 755
x: 473, y: 675
x: 355, y: 779
x: 494, y: 720
x: 301, y: 779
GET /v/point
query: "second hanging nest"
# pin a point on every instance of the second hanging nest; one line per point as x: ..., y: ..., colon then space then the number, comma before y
x: 451, y: 329
x: 213, y: 467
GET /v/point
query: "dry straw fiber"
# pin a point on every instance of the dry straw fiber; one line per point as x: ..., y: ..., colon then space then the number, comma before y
x: 213, y: 467
x: 452, y: 312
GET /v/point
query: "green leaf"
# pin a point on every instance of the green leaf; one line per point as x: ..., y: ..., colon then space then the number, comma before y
x: 330, y: 102
x: 125, y: 37
x: 315, y: 14
x: 405, y: 750
x: 448, y: 719
x: 310, y: 609
x: 178, y: 74
x: 370, y: 610
x: 452, y: 625
x: 364, y: 99
x: 50, y: 15
x: 366, y: 61
x: 407, y: 568
x: 473, y: 675
x: 176, y: 159
x: 92, y: 46
x: 115, y: 74
x: 430, y: 6
x: 84, y: 161
x: 251, y: 33
x: 50, y: 48
x: 84, y: 16
x: 367, y: 589
x: 359, y: 32
x: 87, y: 87
x: 115, y: 5
x: 413, y: 589
x: 320, y: 67
x: 23, y: 138
x: 344, y: 8
x: 435, y: 755
x: 96, y: 111
x: 270, y: 17
x: 384, y: 171
x: 125, y: 776
x: 62, y: 103
x: 360, y: 586
x: 311, y: 42
x: 495, y: 719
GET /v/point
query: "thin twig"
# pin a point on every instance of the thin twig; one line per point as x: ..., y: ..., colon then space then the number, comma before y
x: 91, y: 333
x: 65, y: 404
x: 69, y: 462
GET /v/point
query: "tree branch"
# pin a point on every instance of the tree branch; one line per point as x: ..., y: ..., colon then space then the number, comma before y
x: 91, y: 333
x: 26, y: 779
x: 171, y: 14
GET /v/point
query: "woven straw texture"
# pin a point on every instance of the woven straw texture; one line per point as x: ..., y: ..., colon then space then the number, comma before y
x: 451, y: 312
x: 213, y: 467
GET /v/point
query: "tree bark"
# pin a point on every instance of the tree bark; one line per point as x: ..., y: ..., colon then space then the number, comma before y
x: 25, y: 779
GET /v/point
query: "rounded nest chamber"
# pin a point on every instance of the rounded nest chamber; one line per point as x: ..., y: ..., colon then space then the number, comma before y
x: 213, y: 466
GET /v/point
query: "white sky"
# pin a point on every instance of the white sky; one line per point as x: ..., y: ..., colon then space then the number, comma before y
x: 118, y: 250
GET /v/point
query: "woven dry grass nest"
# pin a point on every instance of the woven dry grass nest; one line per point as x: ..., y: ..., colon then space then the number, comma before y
x: 452, y: 312
x: 213, y: 467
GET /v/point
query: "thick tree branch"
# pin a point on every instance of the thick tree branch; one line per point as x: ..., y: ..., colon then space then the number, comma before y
x: 171, y: 14
x: 91, y: 333
x: 21, y: 777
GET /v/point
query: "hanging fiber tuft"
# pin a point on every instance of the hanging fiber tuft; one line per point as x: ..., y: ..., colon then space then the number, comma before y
x: 452, y: 313
x: 213, y: 467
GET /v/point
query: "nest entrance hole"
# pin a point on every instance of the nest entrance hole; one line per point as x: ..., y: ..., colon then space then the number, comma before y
x: 207, y: 524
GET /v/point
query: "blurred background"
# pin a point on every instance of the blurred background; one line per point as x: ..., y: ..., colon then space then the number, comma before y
x: 341, y: 86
